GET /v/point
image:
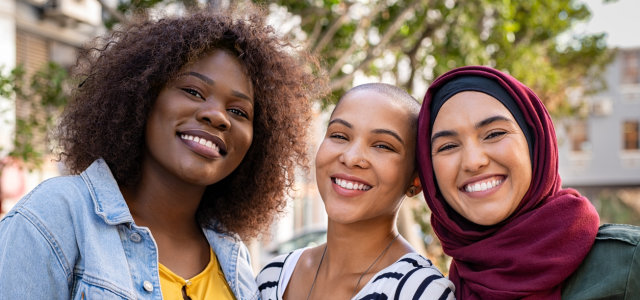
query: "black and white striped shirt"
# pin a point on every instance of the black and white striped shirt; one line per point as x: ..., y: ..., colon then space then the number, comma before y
x: 410, y: 277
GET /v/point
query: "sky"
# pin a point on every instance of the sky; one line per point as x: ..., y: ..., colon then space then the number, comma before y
x: 619, y: 19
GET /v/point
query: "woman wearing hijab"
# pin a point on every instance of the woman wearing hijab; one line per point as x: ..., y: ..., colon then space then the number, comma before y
x: 488, y: 162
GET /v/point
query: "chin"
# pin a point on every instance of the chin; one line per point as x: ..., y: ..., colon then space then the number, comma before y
x: 487, y: 221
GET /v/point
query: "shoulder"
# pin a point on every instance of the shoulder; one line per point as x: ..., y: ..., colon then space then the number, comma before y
x: 40, y: 225
x: 413, y: 277
x: 616, y: 254
x: 271, y: 271
x: 52, y: 201
x: 269, y: 277
x: 623, y: 233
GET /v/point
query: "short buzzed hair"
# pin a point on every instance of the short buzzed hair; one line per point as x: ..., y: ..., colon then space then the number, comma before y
x: 395, y: 93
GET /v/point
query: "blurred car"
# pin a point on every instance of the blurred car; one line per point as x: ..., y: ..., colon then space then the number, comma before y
x: 307, y: 238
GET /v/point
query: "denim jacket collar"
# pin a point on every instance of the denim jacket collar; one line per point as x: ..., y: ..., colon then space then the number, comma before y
x: 232, y: 255
x: 110, y: 206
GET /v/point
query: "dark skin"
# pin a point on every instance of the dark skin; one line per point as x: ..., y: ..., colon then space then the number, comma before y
x: 198, y: 132
x: 182, y: 247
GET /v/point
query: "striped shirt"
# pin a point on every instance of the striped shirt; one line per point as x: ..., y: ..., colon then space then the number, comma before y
x: 410, y: 277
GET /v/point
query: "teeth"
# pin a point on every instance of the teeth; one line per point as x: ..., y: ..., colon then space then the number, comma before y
x: 201, y: 141
x: 480, y: 187
x: 350, y: 185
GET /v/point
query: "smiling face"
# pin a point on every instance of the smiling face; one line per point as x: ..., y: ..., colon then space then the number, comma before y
x: 201, y: 125
x: 366, y: 161
x: 480, y: 157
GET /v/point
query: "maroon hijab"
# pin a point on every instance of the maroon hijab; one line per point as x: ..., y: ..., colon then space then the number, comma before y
x: 534, y: 250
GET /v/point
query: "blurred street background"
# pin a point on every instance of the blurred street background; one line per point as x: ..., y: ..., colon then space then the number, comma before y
x: 582, y: 57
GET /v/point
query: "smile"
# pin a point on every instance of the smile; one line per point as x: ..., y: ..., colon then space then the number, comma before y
x: 482, y: 186
x: 350, y: 185
x: 202, y: 141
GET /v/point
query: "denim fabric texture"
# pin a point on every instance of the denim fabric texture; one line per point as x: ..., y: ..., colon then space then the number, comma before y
x: 611, y: 270
x: 73, y: 237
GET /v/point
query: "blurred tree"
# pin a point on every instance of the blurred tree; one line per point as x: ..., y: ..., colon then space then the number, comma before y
x: 411, y: 42
x: 42, y: 97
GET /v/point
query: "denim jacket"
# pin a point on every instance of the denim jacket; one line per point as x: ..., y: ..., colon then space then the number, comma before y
x: 73, y: 237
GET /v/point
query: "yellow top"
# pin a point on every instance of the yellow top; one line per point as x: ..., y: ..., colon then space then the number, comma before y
x: 209, y: 284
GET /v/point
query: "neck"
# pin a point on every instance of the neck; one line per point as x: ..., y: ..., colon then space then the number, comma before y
x: 352, y: 248
x: 164, y: 205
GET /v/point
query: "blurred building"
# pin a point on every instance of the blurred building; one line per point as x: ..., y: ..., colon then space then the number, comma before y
x: 34, y: 32
x: 600, y: 153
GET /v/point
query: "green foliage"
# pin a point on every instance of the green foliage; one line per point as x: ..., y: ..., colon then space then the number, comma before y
x: 612, y: 209
x: 434, y: 36
x: 42, y: 98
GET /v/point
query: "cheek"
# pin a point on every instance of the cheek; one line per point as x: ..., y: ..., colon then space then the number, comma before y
x: 248, y: 137
x: 525, y: 176
x: 516, y: 159
x: 322, y: 156
x: 153, y: 130
x: 444, y: 169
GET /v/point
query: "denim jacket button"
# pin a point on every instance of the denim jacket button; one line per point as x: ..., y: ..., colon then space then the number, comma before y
x: 135, y: 237
x: 148, y: 286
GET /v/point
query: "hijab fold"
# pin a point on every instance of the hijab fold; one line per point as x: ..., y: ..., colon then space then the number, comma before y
x: 531, y: 253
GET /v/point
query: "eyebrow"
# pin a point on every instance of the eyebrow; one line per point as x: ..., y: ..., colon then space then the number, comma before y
x: 202, y: 77
x: 485, y: 122
x: 210, y: 81
x: 490, y: 120
x: 377, y: 131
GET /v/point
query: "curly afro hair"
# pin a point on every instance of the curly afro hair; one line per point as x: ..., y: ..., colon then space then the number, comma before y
x: 123, y: 73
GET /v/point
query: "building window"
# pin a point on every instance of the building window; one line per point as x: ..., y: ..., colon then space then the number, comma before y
x: 578, y: 136
x: 631, y: 67
x: 631, y: 135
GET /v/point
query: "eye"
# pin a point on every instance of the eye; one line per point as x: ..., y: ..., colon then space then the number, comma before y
x: 193, y: 92
x: 384, y: 146
x: 495, y: 134
x: 238, y: 112
x: 338, y: 136
x: 446, y: 147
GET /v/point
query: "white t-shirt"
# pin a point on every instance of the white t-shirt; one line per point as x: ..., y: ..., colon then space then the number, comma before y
x: 410, y: 277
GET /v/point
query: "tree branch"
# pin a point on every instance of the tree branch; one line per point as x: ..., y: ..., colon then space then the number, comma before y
x: 375, y: 51
x: 113, y: 12
x: 333, y: 28
x: 361, y: 26
x: 428, y: 31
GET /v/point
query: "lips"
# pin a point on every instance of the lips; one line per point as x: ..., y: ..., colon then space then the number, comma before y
x: 210, y: 144
x: 350, y: 185
x: 483, y: 184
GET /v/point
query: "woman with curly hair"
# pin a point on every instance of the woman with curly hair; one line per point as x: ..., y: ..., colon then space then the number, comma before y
x: 183, y: 138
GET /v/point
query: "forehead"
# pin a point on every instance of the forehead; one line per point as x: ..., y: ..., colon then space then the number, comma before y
x: 373, y: 109
x: 470, y: 105
x: 221, y: 65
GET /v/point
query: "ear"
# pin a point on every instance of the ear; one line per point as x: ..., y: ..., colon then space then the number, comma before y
x: 415, y: 187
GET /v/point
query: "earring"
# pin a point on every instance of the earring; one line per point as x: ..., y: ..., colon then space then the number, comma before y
x: 412, y: 191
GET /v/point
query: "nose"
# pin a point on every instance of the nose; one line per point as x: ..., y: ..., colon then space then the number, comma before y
x: 354, y: 156
x: 474, y: 157
x: 215, y: 114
